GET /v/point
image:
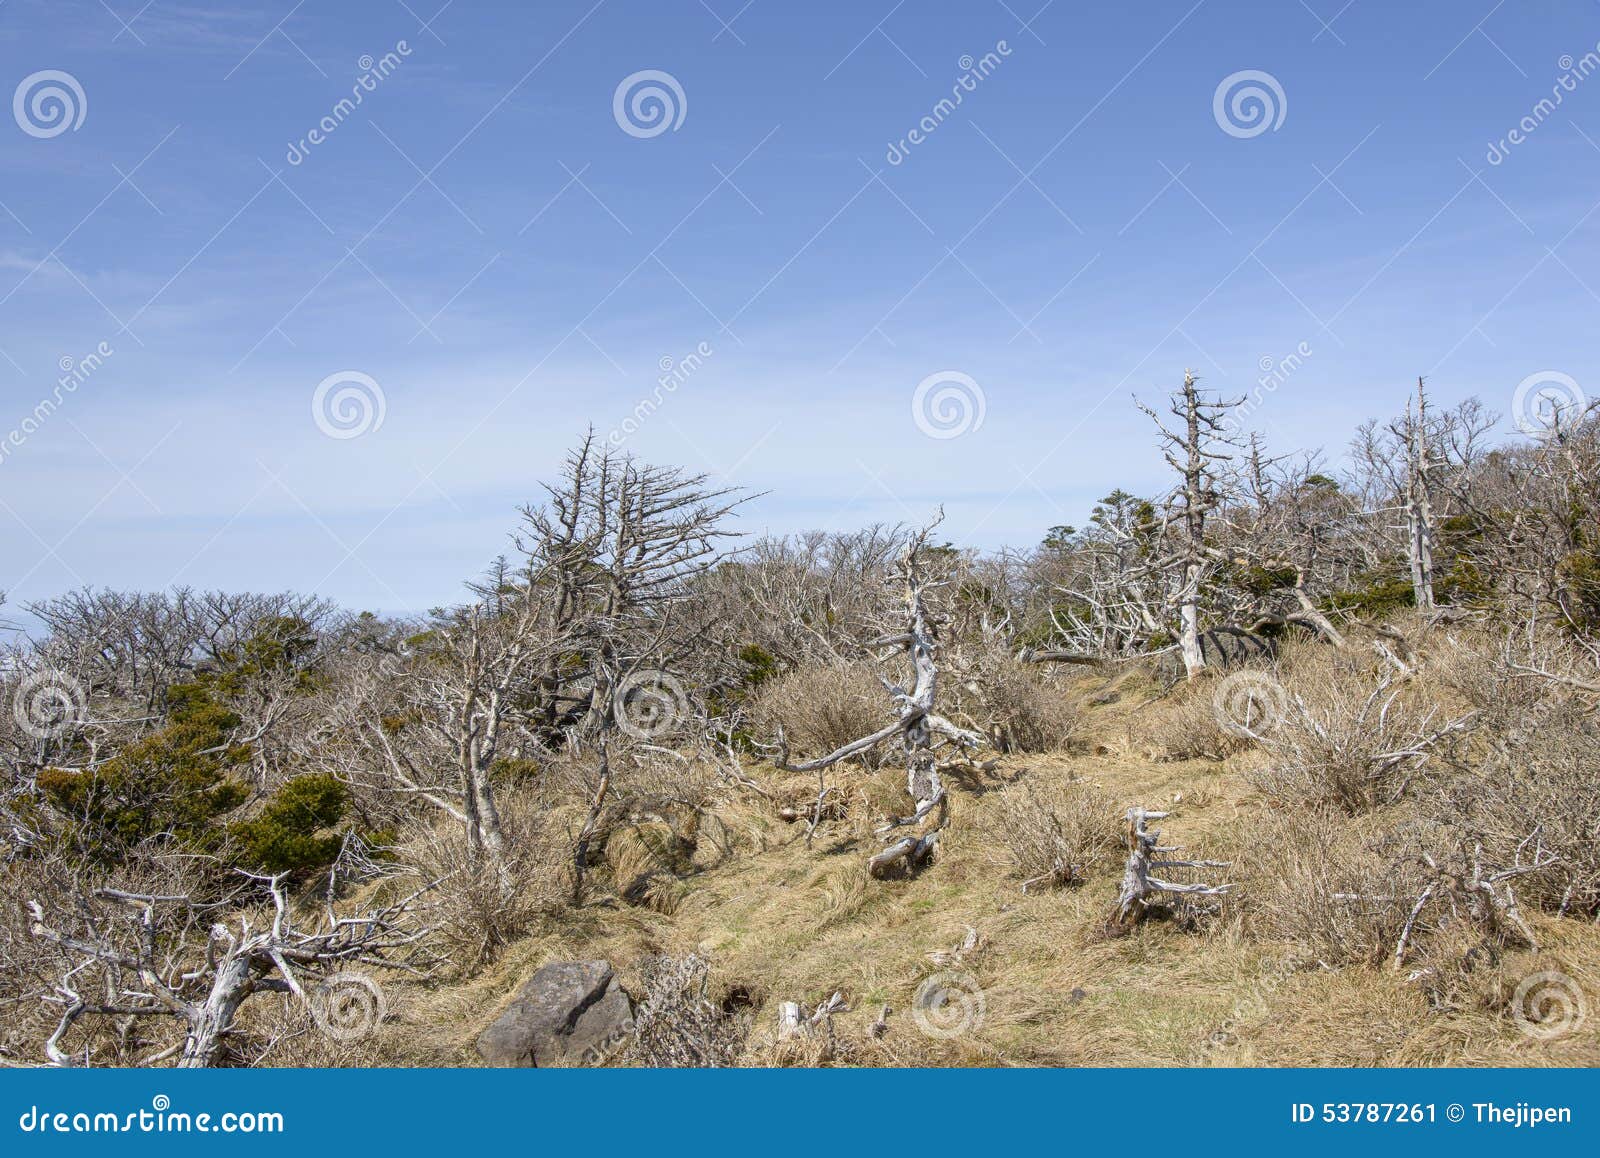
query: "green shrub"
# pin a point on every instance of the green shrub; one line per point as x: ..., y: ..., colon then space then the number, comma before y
x: 292, y: 833
x: 173, y: 782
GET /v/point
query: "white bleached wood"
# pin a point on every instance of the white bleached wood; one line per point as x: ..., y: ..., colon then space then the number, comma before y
x: 1139, y: 886
x: 919, y: 727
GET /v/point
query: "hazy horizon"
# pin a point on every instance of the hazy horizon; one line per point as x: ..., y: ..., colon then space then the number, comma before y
x: 494, y: 249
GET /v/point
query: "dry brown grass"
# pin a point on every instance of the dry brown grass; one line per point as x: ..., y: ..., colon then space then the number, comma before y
x: 476, y: 912
x: 1351, y: 738
x: 821, y: 709
x: 647, y: 860
x: 1057, y: 838
x: 1533, y: 797
x: 1332, y: 886
x: 1019, y: 706
x: 782, y: 922
x: 1285, y: 975
x: 1184, y: 725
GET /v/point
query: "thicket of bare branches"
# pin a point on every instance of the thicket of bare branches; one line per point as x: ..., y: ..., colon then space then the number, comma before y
x: 1058, y: 839
x: 1352, y: 741
x: 211, y: 797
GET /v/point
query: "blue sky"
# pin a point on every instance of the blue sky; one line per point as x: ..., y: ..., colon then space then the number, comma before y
x: 484, y: 240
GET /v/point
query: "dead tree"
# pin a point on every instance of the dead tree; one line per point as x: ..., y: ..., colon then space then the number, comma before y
x: 153, y: 956
x: 793, y: 1022
x: 1288, y: 534
x: 1416, y: 467
x: 918, y: 726
x: 1536, y: 506
x: 617, y: 548
x: 1199, y: 453
x: 432, y: 728
x: 594, y: 601
x: 580, y: 846
x: 1141, y: 890
x: 1464, y: 888
x: 1419, y: 502
x: 1113, y: 599
x: 807, y: 598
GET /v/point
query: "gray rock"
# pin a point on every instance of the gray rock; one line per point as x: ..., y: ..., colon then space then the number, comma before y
x: 569, y: 1013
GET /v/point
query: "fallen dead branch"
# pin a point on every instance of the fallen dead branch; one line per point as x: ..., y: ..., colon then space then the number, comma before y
x: 1140, y: 889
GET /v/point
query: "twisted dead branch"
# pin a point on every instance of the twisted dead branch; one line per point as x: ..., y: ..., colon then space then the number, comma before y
x: 1140, y: 889
x: 918, y: 726
x: 148, y: 966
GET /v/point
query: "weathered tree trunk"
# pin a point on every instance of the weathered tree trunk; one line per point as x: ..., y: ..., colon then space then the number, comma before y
x: 202, y: 985
x: 1189, y: 622
x: 210, y: 1022
x: 1419, y: 508
x: 917, y: 726
x: 580, y: 849
x: 1196, y: 453
x: 791, y: 1020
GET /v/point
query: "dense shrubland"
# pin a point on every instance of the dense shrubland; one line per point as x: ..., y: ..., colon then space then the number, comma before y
x: 213, y: 802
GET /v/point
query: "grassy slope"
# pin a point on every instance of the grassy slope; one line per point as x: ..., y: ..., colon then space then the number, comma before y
x: 785, y: 922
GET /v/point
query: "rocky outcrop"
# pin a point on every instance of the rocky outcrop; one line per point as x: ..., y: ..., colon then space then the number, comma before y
x: 569, y: 1013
